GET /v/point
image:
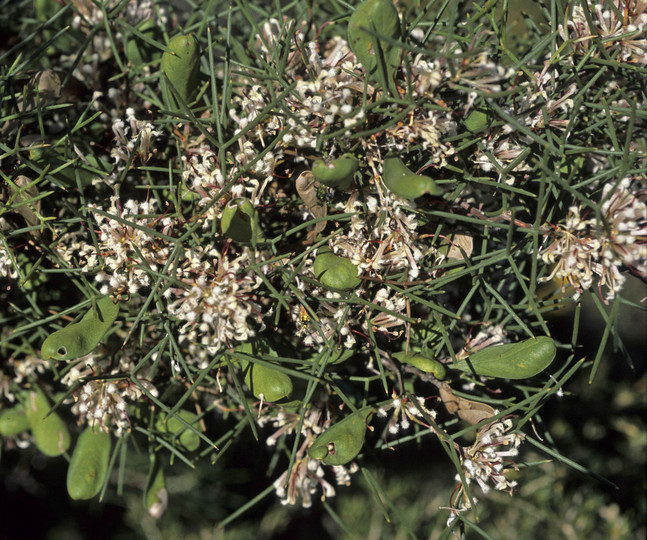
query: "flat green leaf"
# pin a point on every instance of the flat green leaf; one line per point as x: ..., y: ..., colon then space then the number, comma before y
x: 188, y: 438
x: 336, y: 272
x: 512, y: 361
x: 79, y: 339
x: 381, y: 17
x: 341, y: 442
x: 423, y: 363
x: 267, y: 383
x: 13, y: 421
x: 89, y: 464
x: 338, y: 173
x: 50, y: 432
x: 405, y: 183
x: 238, y: 221
x: 182, y: 66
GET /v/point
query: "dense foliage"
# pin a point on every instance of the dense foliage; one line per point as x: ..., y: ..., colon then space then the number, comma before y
x: 313, y: 242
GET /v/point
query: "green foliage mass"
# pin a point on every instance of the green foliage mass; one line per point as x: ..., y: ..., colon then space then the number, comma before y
x: 367, y: 262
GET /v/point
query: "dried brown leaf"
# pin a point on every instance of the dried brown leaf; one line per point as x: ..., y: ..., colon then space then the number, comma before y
x: 460, y: 241
x: 469, y: 410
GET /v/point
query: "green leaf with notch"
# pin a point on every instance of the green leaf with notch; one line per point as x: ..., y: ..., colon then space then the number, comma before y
x: 79, y: 339
x: 341, y: 442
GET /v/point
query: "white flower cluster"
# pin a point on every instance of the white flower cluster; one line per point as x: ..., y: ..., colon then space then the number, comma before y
x: 573, y: 252
x: 585, y: 248
x: 7, y: 268
x: 326, y: 88
x: 307, y: 475
x: 24, y: 369
x: 306, y: 479
x: 625, y: 241
x: 485, y: 461
x: 132, y: 136
x: 322, y: 97
x: 428, y: 75
x: 383, y: 321
x: 388, y: 246
x: 427, y: 128
x: 403, y: 412
x: 538, y: 107
x: 619, y: 26
x: 328, y: 96
x: 203, y: 176
x: 103, y: 401
x: 215, y: 303
x: 129, y: 245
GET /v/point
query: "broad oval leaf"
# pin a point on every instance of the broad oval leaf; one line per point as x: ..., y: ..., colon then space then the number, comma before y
x: 380, y: 17
x: 182, y: 67
x: 477, y: 121
x: 341, y: 442
x: 88, y: 467
x: 423, y: 363
x: 405, y: 183
x: 172, y: 425
x: 13, y: 421
x: 338, y: 174
x: 336, y: 272
x: 513, y: 360
x: 238, y: 221
x: 50, y: 432
x: 267, y: 383
x: 79, y: 339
